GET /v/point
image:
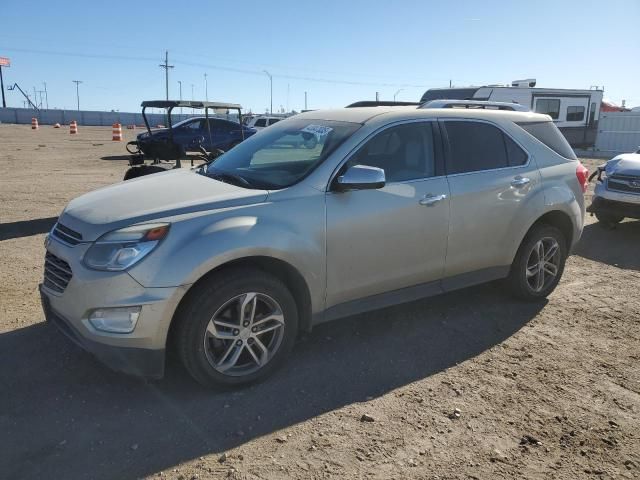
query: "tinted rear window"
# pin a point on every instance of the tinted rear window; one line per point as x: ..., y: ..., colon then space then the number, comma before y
x: 475, y: 146
x: 548, y: 133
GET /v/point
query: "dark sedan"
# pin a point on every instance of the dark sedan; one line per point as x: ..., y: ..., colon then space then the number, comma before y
x: 219, y: 133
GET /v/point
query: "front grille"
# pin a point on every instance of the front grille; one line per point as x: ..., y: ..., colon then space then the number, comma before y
x: 57, y: 273
x: 624, y: 183
x: 66, y: 234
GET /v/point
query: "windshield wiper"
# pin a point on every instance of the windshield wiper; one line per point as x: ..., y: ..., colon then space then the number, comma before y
x: 231, y: 178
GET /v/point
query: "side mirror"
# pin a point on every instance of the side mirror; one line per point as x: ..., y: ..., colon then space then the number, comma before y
x: 360, y: 177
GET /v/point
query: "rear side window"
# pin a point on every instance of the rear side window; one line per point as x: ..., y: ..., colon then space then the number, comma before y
x: 475, y: 146
x: 549, y: 106
x: 548, y: 133
x: 261, y: 122
x: 515, y: 154
x: 273, y: 120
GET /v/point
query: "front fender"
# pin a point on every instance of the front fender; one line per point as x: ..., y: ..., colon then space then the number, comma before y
x: 195, y: 246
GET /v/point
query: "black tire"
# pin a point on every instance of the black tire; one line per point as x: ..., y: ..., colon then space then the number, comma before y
x: 518, y: 280
x: 608, y: 221
x: 142, y: 170
x: 199, y: 309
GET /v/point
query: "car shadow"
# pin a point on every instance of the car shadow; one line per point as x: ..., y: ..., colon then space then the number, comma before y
x: 619, y: 247
x: 65, y: 416
x: 26, y: 228
x: 116, y: 157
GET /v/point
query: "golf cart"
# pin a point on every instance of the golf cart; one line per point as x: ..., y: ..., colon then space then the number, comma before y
x: 208, y: 136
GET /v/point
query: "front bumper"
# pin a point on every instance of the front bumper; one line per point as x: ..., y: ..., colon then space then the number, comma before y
x: 614, y: 207
x: 140, y: 352
x: 135, y: 361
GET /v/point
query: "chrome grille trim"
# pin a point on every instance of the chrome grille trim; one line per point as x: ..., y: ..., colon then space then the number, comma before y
x: 66, y: 234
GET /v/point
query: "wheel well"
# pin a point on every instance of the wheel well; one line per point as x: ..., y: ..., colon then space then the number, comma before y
x: 282, y: 270
x: 561, y: 221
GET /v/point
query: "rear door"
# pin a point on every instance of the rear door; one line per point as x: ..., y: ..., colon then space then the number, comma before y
x: 493, y: 182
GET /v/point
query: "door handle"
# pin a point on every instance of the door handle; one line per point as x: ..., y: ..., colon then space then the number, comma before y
x: 431, y: 200
x: 520, y: 181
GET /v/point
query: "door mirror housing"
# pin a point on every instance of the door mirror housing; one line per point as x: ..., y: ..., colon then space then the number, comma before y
x: 360, y: 177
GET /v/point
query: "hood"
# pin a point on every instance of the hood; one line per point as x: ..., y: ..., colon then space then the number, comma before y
x: 151, y: 197
x: 625, y: 164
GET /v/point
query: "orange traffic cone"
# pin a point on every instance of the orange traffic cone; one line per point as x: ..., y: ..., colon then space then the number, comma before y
x: 57, y: 125
x: 117, y: 132
x: 34, y: 123
x: 73, y: 127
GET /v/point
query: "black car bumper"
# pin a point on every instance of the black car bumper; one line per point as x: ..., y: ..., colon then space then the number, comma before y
x: 614, y: 208
x: 133, y: 361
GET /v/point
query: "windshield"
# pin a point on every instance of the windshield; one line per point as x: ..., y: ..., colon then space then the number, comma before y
x: 282, y: 154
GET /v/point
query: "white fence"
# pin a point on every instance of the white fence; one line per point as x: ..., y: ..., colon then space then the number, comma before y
x: 618, y: 132
x: 86, y: 117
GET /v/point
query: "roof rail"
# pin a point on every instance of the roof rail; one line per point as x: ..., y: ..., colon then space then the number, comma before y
x: 475, y: 104
x: 381, y: 103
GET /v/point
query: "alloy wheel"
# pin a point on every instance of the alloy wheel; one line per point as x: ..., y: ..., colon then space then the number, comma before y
x: 244, y: 334
x: 543, y: 264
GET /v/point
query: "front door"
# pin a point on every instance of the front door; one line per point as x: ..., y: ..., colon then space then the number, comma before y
x: 394, y: 237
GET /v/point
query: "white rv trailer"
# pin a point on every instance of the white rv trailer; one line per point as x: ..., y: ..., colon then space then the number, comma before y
x: 575, y: 112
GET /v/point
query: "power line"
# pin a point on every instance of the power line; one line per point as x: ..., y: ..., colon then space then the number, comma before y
x: 223, y: 68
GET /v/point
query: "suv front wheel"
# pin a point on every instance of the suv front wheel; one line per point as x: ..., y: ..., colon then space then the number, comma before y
x: 539, y: 263
x: 237, y: 328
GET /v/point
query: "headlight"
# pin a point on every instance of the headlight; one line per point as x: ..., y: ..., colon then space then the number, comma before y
x: 123, y: 248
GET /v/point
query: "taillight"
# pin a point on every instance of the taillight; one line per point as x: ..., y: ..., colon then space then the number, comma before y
x: 582, y: 173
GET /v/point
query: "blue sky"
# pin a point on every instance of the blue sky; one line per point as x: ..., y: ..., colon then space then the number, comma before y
x: 337, y: 51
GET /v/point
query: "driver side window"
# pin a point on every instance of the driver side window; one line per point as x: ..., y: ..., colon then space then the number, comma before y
x: 404, y: 152
x: 195, y: 125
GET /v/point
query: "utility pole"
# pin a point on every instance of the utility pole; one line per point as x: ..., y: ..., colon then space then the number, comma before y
x: 206, y: 88
x: 46, y: 95
x: 287, y: 97
x: 180, y: 83
x: 166, y: 67
x: 305, y: 100
x: 271, y: 84
x: 40, y: 92
x: 449, y: 83
x: 77, y: 82
x: 377, y: 96
x: 35, y: 97
x: 395, y: 94
x: 4, y: 102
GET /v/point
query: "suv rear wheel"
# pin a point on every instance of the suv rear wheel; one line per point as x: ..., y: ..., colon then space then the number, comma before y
x: 539, y: 263
x: 237, y: 329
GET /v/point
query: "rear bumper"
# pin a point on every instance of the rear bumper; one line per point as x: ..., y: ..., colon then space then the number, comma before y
x: 614, y: 207
x: 131, y: 360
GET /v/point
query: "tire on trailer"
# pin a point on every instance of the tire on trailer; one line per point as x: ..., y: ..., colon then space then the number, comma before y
x: 142, y: 170
x: 236, y: 328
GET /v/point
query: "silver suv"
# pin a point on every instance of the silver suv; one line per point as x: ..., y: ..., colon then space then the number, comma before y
x: 321, y: 216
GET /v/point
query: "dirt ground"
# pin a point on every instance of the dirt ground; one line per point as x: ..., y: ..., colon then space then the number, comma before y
x: 549, y: 390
